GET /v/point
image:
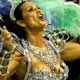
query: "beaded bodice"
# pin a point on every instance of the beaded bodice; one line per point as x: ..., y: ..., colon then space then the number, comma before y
x: 48, y: 57
x: 44, y: 75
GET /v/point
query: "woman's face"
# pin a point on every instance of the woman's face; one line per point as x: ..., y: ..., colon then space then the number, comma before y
x: 32, y: 15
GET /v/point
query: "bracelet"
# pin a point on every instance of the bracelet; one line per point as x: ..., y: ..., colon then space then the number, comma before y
x: 4, y: 60
x: 11, y: 51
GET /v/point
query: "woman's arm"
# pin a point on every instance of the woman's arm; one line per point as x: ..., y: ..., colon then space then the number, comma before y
x: 12, y: 66
x: 71, y: 51
x: 15, y: 55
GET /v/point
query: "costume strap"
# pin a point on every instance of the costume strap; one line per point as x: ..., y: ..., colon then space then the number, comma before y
x: 21, y: 46
x: 52, y: 47
x: 27, y: 56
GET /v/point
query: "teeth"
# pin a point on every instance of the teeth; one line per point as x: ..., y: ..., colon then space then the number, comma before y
x: 40, y: 16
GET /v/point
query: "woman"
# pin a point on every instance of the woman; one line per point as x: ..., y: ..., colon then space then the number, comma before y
x: 36, y: 58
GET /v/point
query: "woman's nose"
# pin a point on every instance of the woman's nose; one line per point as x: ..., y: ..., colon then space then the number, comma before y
x: 39, y: 11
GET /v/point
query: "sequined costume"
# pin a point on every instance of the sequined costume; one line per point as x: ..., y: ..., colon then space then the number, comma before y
x: 46, y: 59
x: 48, y: 56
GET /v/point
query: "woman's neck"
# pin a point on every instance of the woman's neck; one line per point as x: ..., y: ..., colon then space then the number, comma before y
x: 36, y: 39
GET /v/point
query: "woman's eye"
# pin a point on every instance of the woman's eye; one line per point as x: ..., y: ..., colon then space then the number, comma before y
x: 30, y: 9
x: 38, y: 7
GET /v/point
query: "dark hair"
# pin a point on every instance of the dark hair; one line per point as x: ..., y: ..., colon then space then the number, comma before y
x: 19, y: 31
x: 18, y: 11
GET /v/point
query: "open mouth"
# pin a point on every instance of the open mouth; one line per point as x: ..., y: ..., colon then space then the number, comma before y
x: 40, y: 16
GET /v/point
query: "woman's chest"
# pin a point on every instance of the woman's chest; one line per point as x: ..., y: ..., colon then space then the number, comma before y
x: 38, y: 64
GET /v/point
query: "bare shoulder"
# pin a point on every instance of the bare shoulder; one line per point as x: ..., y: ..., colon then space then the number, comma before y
x: 71, y: 51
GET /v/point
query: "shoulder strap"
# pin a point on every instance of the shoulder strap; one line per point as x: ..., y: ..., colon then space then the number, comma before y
x: 27, y: 55
x: 52, y: 47
x: 22, y: 48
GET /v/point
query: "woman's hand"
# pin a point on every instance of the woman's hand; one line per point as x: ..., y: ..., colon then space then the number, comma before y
x: 6, y: 39
x: 14, y: 59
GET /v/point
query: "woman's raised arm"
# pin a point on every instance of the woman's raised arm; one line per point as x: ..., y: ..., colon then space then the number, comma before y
x: 71, y: 51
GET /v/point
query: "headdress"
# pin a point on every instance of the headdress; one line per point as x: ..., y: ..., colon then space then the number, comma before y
x: 59, y: 14
x: 14, y: 4
x: 5, y: 7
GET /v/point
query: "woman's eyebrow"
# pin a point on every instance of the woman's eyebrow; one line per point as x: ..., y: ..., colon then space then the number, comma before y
x: 28, y: 7
x: 38, y: 7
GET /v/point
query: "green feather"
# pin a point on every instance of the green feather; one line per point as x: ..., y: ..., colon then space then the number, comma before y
x: 62, y: 15
x: 70, y: 18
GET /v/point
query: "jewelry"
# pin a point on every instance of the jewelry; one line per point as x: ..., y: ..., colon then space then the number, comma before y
x: 4, y: 60
x: 8, y: 36
x: 45, y: 56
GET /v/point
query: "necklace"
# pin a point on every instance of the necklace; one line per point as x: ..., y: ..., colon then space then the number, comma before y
x: 46, y: 56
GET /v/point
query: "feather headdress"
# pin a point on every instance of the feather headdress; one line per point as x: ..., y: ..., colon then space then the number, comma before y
x: 5, y: 6
x: 58, y: 13
x: 61, y: 15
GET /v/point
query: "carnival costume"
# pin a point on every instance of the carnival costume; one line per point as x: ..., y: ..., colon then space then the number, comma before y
x: 54, y: 17
x: 49, y: 57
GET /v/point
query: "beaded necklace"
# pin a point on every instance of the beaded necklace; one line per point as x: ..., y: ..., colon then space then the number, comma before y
x: 49, y: 59
x: 46, y: 56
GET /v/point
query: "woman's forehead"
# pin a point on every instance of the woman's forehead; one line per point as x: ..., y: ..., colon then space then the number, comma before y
x: 28, y: 4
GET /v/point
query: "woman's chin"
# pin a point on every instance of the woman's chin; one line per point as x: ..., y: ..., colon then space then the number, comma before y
x: 43, y: 24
